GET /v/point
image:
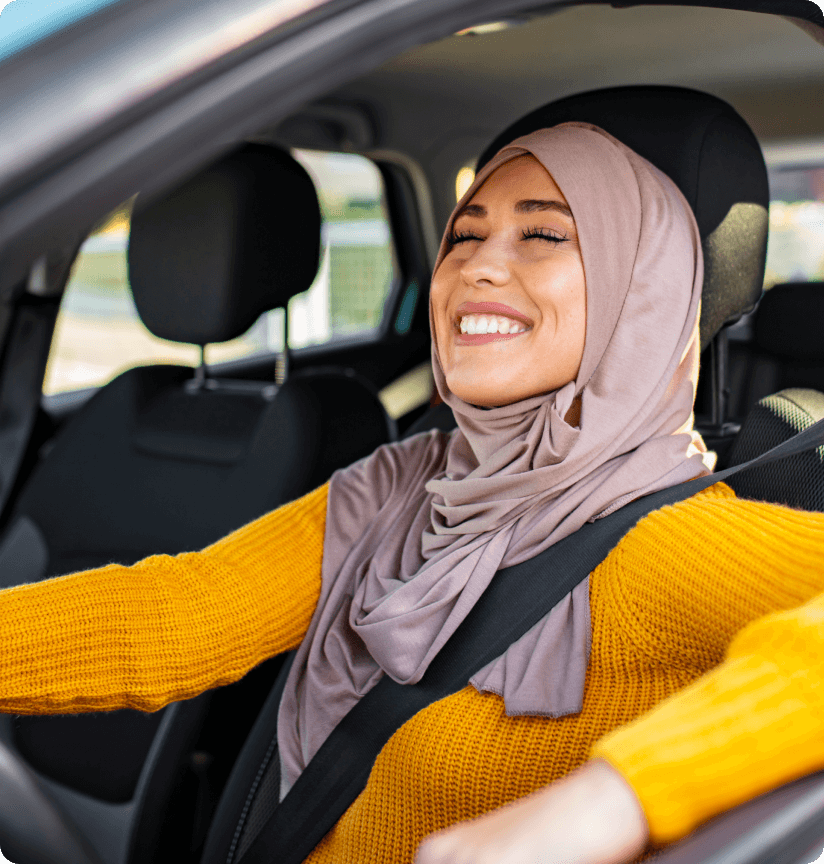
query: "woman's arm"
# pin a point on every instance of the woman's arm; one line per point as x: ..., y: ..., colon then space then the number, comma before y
x: 591, y: 816
x: 754, y: 722
x: 167, y: 628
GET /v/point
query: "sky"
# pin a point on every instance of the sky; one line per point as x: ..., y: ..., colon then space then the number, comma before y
x: 25, y: 21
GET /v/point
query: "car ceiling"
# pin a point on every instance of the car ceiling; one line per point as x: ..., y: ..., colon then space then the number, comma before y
x: 432, y: 108
x: 441, y: 103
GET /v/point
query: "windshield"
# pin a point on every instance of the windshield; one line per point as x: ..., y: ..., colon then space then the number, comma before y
x: 23, y: 22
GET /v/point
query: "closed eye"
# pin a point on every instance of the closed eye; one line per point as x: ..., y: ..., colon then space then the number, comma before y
x: 461, y: 237
x: 542, y: 234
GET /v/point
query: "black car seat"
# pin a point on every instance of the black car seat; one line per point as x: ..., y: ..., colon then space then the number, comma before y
x: 710, y: 152
x: 164, y: 460
x: 796, y: 480
x: 786, y: 349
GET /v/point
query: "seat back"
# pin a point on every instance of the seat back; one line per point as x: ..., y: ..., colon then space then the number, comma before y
x: 786, y: 349
x: 797, y: 481
x: 161, y: 462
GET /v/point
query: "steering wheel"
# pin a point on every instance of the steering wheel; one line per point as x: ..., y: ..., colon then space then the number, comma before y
x: 33, y: 830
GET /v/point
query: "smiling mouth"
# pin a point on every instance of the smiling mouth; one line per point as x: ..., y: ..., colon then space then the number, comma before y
x: 489, y: 324
x: 479, y: 323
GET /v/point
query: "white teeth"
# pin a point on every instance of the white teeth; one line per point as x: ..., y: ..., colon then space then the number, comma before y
x: 479, y: 324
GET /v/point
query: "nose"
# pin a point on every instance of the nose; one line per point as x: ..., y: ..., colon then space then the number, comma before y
x: 488, y: 264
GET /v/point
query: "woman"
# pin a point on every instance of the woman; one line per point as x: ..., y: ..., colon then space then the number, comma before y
x: 564, y: 311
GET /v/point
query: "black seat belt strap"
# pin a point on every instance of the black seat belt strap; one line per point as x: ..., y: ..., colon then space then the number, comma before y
x: 516, y: 599
x: 24, y: 360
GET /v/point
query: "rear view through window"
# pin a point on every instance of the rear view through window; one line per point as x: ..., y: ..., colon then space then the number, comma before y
x: 795, y: 250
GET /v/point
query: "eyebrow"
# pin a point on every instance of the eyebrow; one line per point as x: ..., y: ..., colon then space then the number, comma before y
x: 530, y: 205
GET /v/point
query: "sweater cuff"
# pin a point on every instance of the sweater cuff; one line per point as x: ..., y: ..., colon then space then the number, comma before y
x: 736, y: 733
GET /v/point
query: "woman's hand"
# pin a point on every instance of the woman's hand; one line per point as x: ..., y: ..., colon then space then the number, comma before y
x: 591, y: 816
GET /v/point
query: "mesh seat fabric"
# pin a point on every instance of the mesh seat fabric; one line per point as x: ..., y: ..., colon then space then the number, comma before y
x: 797, y: 481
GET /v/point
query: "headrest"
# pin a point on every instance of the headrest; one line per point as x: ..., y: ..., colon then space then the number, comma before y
x: 239, y: 239
x: 788, y: 321
x: 712, y: 155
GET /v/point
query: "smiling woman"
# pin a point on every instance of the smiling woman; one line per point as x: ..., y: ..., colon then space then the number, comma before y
x: 594, y: 257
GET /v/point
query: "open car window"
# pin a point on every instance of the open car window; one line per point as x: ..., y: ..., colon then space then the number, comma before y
x: 99, y: 333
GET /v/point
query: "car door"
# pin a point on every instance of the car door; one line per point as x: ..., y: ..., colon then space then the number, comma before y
x: 138, y: 96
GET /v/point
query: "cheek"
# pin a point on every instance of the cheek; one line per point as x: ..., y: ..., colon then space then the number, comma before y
x: 439, y: 298
x: 560, y: 293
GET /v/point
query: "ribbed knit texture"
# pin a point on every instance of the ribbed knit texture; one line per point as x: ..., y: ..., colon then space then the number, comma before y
x: 757, y: 720
x: 666, y: 606
x: 167, y: 628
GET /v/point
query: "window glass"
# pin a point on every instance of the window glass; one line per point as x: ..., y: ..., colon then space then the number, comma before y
x: 358, y: 268
x: 795, y: 249
x: 23, y: 22
x: 99, y: 334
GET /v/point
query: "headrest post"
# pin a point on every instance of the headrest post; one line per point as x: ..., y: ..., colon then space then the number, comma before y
x: 282, y: 364
x: 200, y: 369
x: 719, y: 355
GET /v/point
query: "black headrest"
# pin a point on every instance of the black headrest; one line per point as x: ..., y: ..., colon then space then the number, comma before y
x: 712, y: 155
x: 239, y: 239
x: 788, y: 321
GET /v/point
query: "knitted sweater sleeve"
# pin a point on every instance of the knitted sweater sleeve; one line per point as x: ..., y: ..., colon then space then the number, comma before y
x: 757, y: 719
x: 167, y: 628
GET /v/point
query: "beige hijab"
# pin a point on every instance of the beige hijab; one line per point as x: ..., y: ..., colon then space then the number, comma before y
x: 416, y: 531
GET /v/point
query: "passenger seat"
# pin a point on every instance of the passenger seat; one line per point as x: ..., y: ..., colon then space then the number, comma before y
x: 164, y: 460
x: 786, y: 350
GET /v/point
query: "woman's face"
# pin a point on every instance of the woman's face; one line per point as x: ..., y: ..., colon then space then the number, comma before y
x: 509, y: 299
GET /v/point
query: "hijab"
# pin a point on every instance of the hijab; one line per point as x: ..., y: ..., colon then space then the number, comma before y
x: 416, y: 531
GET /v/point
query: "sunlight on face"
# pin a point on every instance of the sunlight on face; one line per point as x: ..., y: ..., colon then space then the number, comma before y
x: 509, y: 299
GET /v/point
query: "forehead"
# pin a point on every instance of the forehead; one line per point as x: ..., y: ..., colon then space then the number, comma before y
x: 519, y: 178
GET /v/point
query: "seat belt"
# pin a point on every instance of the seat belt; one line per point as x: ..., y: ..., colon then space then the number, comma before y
x: 24, y: 361
x: 515, y: 600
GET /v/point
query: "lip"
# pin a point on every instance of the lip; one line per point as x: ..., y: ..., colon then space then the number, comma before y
x: 493, y: 309
x: 483, y: 338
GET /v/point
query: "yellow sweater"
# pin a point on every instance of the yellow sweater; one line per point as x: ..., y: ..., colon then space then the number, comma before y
x: 666, y: 607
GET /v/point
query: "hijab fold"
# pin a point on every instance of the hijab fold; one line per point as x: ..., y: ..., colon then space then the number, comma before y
x: 416, y: 531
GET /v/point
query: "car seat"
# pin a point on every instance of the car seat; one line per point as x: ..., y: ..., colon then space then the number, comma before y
x: 795, y: 480
x: 164, y: 459
x: 786, y: 349
x: 710, y: 152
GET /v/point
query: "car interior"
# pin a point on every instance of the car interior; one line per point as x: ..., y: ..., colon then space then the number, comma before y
x: 308, y: 246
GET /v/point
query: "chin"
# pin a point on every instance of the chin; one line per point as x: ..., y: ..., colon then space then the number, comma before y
x: 484, y: 398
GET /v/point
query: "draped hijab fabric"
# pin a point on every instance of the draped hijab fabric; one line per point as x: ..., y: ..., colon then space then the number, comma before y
x: 416, y: 531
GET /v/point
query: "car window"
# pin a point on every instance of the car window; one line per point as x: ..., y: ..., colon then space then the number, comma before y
x: 795, y: 249
x: 99, y: 334
x: 23, y: 22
